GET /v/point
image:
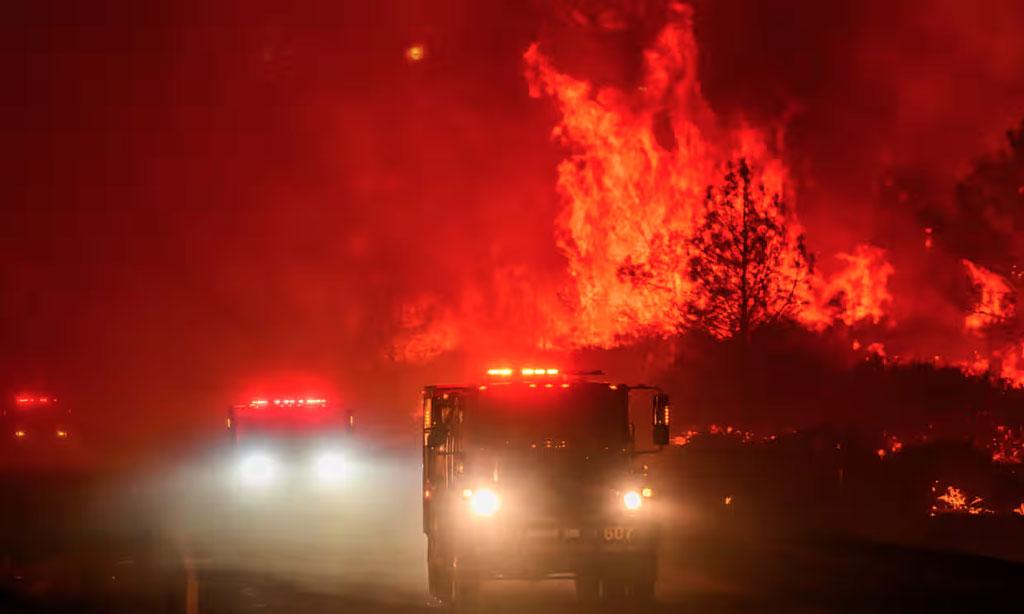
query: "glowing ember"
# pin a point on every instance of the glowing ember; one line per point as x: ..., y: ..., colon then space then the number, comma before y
x: 1019, y: 510
x: 1007, y: 446
x: 892, y: 443
x: 955, y: 501
x: 685, y: 438
x: 716, y: 430
x: 730, y: 431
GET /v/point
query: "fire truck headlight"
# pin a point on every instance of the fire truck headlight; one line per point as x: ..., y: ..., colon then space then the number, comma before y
x: 632, y: 500
x: 258, y: 469
x: 484, y: 502
x: 330, y: 467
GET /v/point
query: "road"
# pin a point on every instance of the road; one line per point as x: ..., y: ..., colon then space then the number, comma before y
x: 361, y: 550
x: 808, y: 576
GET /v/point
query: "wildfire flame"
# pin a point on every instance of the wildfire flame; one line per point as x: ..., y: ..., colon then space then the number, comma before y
x: 994, y: 298
x: 644, y: 165
x: 859, y: 292
x: 718, y: 430
x: 1011, y: 365
x: 633, y: 189
x: 891, y: 445
x: 632, y: 199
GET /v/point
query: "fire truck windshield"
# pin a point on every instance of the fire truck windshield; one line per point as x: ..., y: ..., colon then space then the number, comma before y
x: 299, y: 423
x: 579, y: 416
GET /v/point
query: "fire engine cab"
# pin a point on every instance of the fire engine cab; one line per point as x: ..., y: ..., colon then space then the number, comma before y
x: 533, y: 474
x: 36, y: 422
x: 281, y: 444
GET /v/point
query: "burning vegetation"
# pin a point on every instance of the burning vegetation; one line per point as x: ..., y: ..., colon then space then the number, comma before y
x: 995, y: 300
x: 682, y: 241
x: 673, y: 221
x: 953, y: 501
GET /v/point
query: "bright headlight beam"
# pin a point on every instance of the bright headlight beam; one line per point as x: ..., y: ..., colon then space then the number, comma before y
x: 330, y: 467
x: 632, y: 500
x: 258, y: 469
x: 484, y: 502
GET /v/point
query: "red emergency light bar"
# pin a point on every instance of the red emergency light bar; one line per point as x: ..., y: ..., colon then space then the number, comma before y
x: 33, y: 401
x: 507, y: 371
x: 288, y: 403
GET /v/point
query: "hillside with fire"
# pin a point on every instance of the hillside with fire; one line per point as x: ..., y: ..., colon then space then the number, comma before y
x: 684, y: 249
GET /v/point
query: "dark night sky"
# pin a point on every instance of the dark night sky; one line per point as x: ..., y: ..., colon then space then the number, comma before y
x: 197, y: 200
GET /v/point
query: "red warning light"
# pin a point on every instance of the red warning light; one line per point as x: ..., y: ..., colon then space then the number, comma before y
x: 311, y: 402
x: 31, y: 401
x: 532, y: 371
x: 538, y: 371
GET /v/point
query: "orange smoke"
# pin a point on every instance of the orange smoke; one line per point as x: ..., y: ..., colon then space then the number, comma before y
x: 1007, y: 445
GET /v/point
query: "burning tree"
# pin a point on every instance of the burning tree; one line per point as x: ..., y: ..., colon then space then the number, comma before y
x: 995, y: 301
x: 749, y: 267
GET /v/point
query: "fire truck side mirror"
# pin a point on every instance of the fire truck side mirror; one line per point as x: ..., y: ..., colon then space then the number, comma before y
x: 660, y: 419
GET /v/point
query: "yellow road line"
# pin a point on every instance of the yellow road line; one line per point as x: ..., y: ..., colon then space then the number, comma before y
x: 191, y: 585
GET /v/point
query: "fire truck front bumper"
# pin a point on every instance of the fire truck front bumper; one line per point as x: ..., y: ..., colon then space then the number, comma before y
x: 552, y: 550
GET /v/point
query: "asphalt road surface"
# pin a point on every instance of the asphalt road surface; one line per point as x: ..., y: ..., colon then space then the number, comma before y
x: 181, y: 547
x: 713, y: 576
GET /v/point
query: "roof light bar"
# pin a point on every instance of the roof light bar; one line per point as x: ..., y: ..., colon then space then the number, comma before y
x: 288, y: 402
x: 507, y: 372
x: 30, y: 401
x: 538, y: 371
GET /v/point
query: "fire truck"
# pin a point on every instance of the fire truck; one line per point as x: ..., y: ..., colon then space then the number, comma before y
x: 284, y: 444
x: 36, y: 422
x: 534, y: 474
